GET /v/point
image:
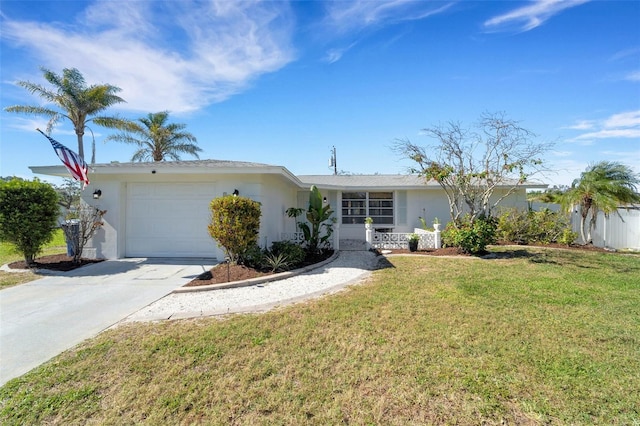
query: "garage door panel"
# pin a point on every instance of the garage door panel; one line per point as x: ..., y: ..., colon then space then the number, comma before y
x: 169, y: 220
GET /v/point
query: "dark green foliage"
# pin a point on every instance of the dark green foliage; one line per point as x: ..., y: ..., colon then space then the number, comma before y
x: 283, y: 256
x: 235, y: 224
x: 28, y: 215
x: 524, y: 227
x: 319, y: 219
x: 253, y: 257
x: 471, y: 235
x: 294, y: 253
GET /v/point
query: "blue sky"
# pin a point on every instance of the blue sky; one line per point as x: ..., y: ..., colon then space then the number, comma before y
x: 283, y: 82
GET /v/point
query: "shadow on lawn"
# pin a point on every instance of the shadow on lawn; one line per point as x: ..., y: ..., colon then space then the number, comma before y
x: 531, y: 256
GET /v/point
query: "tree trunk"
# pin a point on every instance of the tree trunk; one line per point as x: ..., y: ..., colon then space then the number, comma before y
x: 29, y: 259
x: 582, y: 223
x: 80, y: 145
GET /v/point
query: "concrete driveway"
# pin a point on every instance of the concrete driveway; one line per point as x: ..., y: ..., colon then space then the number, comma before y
x: 40, y: 319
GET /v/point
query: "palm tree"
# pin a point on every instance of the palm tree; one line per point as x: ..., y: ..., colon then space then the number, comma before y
x: 603, y: 186
x: 157, y: 139
x: 76, y: 101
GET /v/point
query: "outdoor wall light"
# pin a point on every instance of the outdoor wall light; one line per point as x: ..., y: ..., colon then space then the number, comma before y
x: 236, y: 192
x: 324, y: 200
x: 97, y: 194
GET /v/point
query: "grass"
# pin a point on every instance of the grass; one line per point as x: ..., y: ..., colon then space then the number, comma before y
x: 8, y: 254
x: 540, y: 337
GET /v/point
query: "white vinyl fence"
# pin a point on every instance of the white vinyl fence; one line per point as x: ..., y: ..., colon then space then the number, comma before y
x: 618, y: 231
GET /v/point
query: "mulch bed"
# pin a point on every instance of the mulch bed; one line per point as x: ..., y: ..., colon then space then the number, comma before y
x: 219, y: 274
x: 55, y: 262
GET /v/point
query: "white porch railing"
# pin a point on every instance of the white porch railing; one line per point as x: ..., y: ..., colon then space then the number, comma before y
x: 400, y: 240
x: 294, y: 237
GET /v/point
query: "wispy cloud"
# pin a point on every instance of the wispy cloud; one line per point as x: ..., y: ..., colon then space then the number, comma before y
x: 624, y: 54
x: 348, y: 19
x: 345, y: 17
x: 626, y: 119
x: 531, y: 16
x: 633, y: 76
x: 334, y: 55
x: 166, y: 55
x: 581, y: 125
x: 624, y: 125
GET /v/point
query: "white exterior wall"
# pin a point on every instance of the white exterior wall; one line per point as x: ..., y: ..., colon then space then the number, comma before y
x: 273, y: 192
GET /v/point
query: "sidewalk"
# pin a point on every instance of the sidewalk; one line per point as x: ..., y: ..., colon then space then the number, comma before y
x: 349, y: 267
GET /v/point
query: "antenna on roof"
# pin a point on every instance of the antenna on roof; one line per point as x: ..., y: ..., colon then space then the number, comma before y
x: 332, y: 161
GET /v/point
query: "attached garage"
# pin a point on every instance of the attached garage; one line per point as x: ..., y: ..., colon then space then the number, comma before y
x: 169, y: 220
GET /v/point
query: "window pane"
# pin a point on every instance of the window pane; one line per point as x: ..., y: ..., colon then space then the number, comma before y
x: 356, y: 206
x: 354, y: 195
x: 381, y: 195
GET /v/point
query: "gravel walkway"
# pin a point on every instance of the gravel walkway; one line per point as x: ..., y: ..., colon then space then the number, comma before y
x: 350, y: 267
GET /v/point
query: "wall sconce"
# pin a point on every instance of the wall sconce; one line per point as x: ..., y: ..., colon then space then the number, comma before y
x: 236, y: 192
x: 97, y: 194
x: 324, y: 200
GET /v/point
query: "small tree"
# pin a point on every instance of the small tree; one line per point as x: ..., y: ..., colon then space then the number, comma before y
x: 471, y: 165
x: 235, y: 224
x: 604, y: 187
x: 319, y: 218
x: 28, y: 215
x: 79, y: 230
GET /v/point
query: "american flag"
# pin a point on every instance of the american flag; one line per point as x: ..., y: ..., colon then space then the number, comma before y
x: 72, y: 161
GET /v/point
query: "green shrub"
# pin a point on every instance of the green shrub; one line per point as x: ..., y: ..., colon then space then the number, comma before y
x: 514, y: 226
x: 293, y: 252
x: 524, y: 227
x: 235, y: 223
x: 470, y: 236
x: 253, y: 257
x: 568, y: 237
x: 28, y: 215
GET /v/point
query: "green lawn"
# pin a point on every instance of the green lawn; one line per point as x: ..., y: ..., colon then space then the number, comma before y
x: 541, y: 337
x: 9, y: 254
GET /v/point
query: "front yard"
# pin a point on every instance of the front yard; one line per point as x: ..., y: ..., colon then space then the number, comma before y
x: 536, y: 336
x: 9, y: 254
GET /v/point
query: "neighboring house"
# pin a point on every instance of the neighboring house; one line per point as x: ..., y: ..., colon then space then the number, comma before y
x: 161, y: 209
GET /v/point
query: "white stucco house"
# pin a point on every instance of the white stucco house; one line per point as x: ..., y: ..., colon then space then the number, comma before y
x: 161, y: 209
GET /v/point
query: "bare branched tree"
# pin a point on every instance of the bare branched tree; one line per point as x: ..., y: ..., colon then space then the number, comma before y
x: 80, y: 230
x: 470, y: 164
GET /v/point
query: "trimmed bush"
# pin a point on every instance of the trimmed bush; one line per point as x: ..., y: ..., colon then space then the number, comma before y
x: 472, y: 236
x: 235, y: 224
x: 28, y: 215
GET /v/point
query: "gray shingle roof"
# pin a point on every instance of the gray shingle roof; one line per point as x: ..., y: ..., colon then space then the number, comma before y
x: 183, y: 164
x: 366, y: 181
x: 381, y: 182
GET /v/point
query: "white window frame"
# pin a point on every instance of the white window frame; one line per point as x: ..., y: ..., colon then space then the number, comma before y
x: 361, y: 207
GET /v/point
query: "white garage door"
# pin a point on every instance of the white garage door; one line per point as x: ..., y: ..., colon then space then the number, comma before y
x: 169, y: 220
